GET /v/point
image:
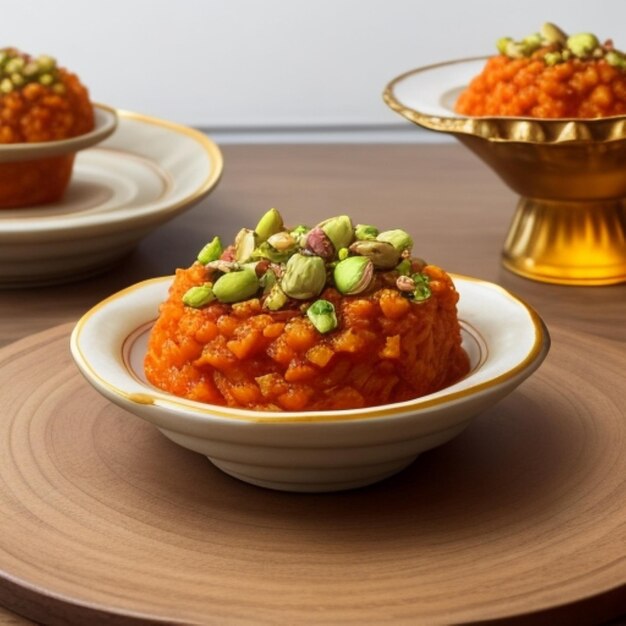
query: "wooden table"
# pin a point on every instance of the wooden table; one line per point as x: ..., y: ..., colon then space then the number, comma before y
x: 458, y: 212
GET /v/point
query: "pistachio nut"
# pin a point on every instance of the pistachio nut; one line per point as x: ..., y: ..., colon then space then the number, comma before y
x: 46, y: 63
x: 552, y: 58
x: 365, y: 231
x: 502, y: 44
x: 266, y: 251
x: 322, y: 315
x: 245, y: 244
x: 15, y: 64
x: 551, y: 33
x: 339, y: 231
x: 275, y: 298
x: 269, y: 224
x: 304, y: 277
x: 405, y: 283
x: 398, y: 238
x: 343, y: 253
x: 268, y: 280
x: 282, y: 241
x: 515, y: 50
x: 582, y: 44
x: 211, y: 251
x: 299, y: 233
x: 319, y: 243
x: 404, y: 267
x: 236, y: 286
x: 422, y: 291
x: 382, y: 254
x: 353, y: 275
x: 531, y: 43
x: 31, y: 69
x: 615, y: 59
x: 199, y: 296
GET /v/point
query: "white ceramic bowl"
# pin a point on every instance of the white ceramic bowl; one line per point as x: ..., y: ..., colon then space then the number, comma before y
x: 105, y: 123
x: 312, y: 451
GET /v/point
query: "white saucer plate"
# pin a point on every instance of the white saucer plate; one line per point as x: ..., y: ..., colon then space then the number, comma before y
x: 144, y: 174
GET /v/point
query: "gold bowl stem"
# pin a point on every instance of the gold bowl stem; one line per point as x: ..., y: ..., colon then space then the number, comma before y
x: 569, y: 243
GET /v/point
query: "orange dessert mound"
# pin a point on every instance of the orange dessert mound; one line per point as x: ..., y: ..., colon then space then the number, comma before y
x: 307, y: 319
x: 39, y: 102
x: 549, y: 75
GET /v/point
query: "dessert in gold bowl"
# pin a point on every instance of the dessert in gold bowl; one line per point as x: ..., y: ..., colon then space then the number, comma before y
x: 45, y: 116
x: 549, y: 75
x: 548, y: 114
x: 338, y: 316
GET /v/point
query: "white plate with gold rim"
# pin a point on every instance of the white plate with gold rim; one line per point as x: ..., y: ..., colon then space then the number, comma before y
x: 312, y: 451
x: 144, y: 174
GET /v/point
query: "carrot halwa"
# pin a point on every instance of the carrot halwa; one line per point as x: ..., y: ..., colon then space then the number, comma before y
x: 549, y: 75
x: 39, y: 102
x: 333, y: 317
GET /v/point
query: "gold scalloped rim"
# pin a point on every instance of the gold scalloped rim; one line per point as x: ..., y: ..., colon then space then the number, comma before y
x: 509, y: 129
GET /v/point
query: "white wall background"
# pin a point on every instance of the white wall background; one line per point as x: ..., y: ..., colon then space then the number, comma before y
x: 246, y: 68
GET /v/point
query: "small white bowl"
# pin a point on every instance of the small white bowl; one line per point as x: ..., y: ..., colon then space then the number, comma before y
x: 312, y: 451
x: 105, y: 123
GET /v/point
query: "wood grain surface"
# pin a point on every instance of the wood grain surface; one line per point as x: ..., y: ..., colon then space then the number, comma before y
x: 521, y: 518
x: 524, y: 511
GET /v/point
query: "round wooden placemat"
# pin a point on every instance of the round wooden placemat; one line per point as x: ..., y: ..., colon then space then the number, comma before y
x: 103, y: 520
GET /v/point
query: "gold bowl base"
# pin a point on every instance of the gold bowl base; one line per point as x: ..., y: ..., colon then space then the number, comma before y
x: 568, y: 243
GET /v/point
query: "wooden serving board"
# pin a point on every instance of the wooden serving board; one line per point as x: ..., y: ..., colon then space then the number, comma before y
x: 104, y: 521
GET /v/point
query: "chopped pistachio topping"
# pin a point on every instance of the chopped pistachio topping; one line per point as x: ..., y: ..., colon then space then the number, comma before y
x: 422, y: 291
x: 353, y: 275
x: 276, y: 298
x: 339, y: 230
x: 404, y: 267
x: 270, y: 224
x: 236, y: 286
x: 322, y: 315
x: 365, y: 231
x: 304, y: 277
x: 18, y: 69
x: 245, y: 244
x: 382, y: 253
x: 199, y: 296
x: 398, y: 238
x: 211, y: 252
x: 286, y: 267
x: 555, y: 46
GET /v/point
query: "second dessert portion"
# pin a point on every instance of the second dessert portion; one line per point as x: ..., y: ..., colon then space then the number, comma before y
x: 339, y: 316
x: 549, y: 75
x: 39, y: 102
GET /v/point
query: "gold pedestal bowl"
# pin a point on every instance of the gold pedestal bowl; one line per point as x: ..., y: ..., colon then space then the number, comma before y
x: 570, y: 223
